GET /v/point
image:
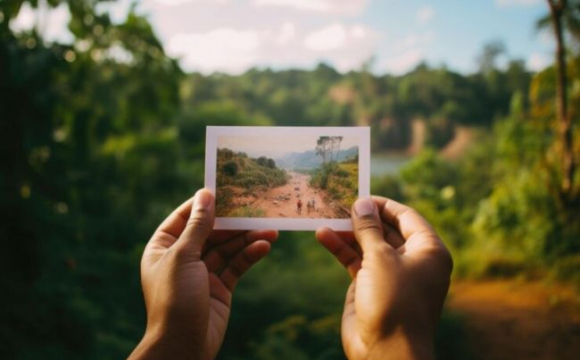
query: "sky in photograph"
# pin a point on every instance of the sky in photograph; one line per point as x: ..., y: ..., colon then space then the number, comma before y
x: 276, y: 146
x: 234, y: 35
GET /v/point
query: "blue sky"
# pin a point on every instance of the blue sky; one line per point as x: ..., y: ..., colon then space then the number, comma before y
x: 233, y: 35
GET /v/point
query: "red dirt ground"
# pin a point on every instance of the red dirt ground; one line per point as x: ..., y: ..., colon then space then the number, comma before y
x: 517, y: 320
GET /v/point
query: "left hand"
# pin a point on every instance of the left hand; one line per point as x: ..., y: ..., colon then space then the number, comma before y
x: 188, y: 274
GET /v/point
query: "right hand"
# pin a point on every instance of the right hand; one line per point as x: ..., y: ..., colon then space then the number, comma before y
x: 401, y: 271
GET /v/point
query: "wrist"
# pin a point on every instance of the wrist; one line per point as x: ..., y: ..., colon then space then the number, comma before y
x: 401, y: 346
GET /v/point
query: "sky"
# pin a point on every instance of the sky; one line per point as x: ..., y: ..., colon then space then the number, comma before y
x: 393, y: 36
x: 277, y: 146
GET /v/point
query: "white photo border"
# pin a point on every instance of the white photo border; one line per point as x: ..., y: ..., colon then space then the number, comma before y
x: 292, y: 224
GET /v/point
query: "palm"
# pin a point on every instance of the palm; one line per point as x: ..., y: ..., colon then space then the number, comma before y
x: 204, y: 294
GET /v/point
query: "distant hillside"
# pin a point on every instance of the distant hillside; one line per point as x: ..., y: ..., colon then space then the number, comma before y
x: 309, y: 159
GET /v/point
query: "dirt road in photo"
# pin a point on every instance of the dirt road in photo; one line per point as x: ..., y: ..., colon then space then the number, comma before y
x: 281, y: 201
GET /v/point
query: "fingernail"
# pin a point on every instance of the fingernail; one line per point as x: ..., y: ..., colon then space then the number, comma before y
x: 364, y: 207
x: 202, y: 199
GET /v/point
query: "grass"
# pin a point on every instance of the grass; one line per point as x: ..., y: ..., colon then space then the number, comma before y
x: 247, y: 211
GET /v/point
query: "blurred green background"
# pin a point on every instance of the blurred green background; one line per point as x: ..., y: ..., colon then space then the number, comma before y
x: 98, y: 148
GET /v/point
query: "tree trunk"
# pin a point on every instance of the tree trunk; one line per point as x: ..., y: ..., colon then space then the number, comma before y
x: 557, y: 9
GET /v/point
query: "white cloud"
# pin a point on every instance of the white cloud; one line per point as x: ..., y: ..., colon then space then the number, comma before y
x: 51, y: 23
x: 538, y: 61
x: 287, y: 33
x: 331, y: 37
x: 358, y: 31
x: 506, y: 3
x: 404, y: 62
x: 235, y: 51
x: 223, y: 49
x: 425, y: 14
x: 323, y: 6
x: 337, y: 36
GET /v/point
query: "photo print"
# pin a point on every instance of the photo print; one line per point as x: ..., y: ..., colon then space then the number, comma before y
x: 286, y: 178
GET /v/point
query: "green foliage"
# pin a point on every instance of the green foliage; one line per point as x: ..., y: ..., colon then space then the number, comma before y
x: 264, y: 161
x: 281, y: 310
x: 235, y: 170
x: 340, y: 180
x: 92, y: 149
x: 388, y: 186
x: 495, y: 208
x: 386, y: 103
x: 230, y: 168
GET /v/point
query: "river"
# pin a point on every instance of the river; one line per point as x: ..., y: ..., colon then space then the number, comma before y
x: 387, y: 164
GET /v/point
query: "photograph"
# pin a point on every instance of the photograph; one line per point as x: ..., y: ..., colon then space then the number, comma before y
x: 295, y: 177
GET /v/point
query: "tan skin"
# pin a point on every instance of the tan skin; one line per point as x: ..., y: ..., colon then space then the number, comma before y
x: 188, y: 274
x: 400, y: 270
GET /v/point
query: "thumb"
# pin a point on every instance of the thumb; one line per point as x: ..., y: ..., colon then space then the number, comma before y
x: 199, y: 225
x: 367, y: 226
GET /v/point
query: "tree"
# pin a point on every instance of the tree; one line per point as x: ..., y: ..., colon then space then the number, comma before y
x: 558, y: 12
x: 328, y: 147
x: 488, y: 58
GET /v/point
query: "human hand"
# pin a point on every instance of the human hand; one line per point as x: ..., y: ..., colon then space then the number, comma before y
x: 188, y: 274
x: 400, y: 270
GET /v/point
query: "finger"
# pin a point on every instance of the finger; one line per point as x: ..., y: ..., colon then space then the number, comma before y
x: 403, y: 218
x: 392, y: 236
x: 220, y: 236
x: 417, y: 233
x: 350, y: 335
x: 349, y: 238
x: 242, y: 261
x: 218, y: 255
x: 342, y: 251
x: 172, y: 227
x: 367, y: 225
x: 198, y: 227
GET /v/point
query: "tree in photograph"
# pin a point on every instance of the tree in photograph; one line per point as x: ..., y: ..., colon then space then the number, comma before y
x: 328, y: 147
x: 335, y: 147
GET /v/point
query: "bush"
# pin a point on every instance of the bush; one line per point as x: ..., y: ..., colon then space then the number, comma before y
x: 230, y: 168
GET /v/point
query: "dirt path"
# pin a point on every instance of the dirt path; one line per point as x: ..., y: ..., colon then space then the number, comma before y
x: 509, y: 319
x: 281, y: 201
